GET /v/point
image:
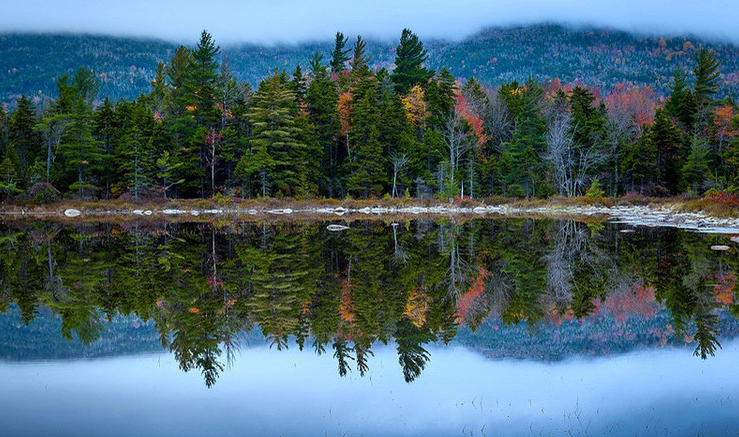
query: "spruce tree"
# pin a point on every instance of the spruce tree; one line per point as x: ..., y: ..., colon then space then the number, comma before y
x: 79, y: 150
x: 681, y: 104
x: 321, y: 98
x: 367, y: 169
x: 201, y: 83
x: 665, y: 140
x: 22, y: 135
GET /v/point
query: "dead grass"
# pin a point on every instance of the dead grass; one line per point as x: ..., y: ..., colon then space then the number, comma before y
x: 120, y: 210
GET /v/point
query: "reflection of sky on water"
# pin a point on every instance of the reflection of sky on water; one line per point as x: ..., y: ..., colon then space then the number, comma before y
x: 298, y: 393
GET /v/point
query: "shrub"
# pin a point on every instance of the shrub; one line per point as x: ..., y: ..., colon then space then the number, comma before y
x: 595, y: 190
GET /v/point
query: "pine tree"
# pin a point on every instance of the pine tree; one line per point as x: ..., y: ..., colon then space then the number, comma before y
x: 104, y: 129
x: 165, y: 167
x: 360, y: 60
x: 696, y: 168
x: 178, y: 71
x: 274, y: 129
x: 681, y: 104
x: 23, y: 137
x: 409, y: 58
x: 298, y: 84
x: 321, y: 98
x: 201, y: 80
x: 79, y: 150
x: 367, y: 169
x: 339, y: 56
x: 8, y: 177
x: 665, y: 139
x: 706, y: 75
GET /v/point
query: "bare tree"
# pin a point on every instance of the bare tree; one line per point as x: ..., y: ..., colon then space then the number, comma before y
x: 399, y: 164
x: 458, y: 141
x: 570, y: 161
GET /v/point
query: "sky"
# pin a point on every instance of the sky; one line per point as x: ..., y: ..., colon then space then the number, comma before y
x: 292, y: 21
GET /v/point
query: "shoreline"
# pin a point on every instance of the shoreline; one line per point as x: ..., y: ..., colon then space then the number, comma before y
x: 669, y: 214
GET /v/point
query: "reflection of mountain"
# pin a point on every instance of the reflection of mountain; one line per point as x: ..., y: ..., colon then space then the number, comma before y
x: 593, y: 336
x: 40, y: 339
x: 531, y: 289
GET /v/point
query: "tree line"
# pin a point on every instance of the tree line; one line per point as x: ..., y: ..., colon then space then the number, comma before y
x: 339, y: 128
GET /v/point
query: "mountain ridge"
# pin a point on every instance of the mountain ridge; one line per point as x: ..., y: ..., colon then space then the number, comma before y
x: 597, y: 57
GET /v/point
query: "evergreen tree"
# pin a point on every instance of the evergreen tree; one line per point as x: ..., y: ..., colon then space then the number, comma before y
x: 201, y: 80
x: 23, y: 137
x: 321, y: 98
x: 360, y: 60
x: 178, y: 72
x: 298, y: 85
x: 8, y: 177
x: 275, y: 131
x: 666, y: 141
x: 681, y: 104
x: 79, y: 150
x: 409, y: 58
x: 339, y: 56
x: 367, y: 169
x: 706, y: 75
x: 696, y: 168
x: 104, y: 127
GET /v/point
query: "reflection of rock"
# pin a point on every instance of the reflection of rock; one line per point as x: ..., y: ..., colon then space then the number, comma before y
x: 735, y: 239
x: 72, y: 212
x: 335, y: 228
x: 719, y: 247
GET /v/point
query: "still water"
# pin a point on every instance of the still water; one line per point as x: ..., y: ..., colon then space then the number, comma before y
x: 508, y: 327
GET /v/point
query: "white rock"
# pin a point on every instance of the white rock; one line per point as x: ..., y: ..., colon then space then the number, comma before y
x: 287, y: 211
x: 72, y: 212
x: 275, y: 211
x: 173, y: 211
x: 479, y: 210
x: 335, y: 228
x: 138, y: 211
x: 148, y: 212
x: 719, y: 247
x: 252, y: 211
x: 194, y: 213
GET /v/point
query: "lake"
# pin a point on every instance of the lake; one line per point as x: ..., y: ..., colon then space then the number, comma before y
x: 447, y: 327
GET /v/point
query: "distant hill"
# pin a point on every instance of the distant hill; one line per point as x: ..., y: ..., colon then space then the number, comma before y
x: 30, y: 63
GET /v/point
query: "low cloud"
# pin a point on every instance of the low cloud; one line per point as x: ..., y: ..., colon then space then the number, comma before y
x: 292, y: 21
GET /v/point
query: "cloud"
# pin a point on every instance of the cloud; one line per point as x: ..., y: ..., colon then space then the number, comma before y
x: 290, y: 21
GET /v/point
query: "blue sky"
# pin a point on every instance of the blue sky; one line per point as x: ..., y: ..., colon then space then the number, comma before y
x: 290, y: 21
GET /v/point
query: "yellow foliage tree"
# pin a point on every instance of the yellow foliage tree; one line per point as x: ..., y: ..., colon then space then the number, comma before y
x: 415, y: 106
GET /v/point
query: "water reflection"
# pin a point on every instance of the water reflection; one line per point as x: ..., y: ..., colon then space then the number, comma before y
x: 203, y: 286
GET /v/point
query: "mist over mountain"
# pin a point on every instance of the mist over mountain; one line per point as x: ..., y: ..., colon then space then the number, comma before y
x: 596, y: 57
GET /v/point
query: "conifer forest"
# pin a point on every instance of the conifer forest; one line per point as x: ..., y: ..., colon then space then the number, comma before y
x: 336, y: 127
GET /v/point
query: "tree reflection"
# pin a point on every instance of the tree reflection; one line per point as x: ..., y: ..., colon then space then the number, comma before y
x: 204, y: 286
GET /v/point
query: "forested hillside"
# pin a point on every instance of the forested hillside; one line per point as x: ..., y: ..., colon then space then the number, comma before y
x: 346, y: 123
x: 597, y: 57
